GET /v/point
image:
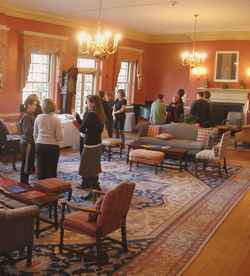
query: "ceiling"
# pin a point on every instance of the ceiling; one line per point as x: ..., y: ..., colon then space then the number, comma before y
x: 157, y: 17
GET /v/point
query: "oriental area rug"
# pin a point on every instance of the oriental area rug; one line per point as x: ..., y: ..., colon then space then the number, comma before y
x: 172, y: 216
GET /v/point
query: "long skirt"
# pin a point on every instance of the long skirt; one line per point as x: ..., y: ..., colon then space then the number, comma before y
x: 90, y: 164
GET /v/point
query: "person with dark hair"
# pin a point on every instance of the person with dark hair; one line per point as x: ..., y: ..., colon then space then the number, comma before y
x: 207, y: 95
x: 200, y: 110
x: 119, y: 114
x: 108, y: 113
x: 158, y: 111
x: 27, y: 144
x: 181, y: 93
x: 92, y: 125
x: 173, y: 113
x: 47, y: 135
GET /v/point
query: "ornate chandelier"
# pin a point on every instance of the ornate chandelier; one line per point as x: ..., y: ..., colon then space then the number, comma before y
x: 194, y: 58
x: 101, y: 44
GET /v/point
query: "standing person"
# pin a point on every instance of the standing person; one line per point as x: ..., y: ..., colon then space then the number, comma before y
x: 27, y: 144
x: 108, y: 113
x: 92, y: 125
x: 119, y: 114
x: 200, y: 110
x: 47, y: 134
x: 158, y: 111
x: 181, y: 93
x: 173, y: 110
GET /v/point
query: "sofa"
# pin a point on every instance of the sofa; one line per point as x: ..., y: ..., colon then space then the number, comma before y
x: 184, y: 136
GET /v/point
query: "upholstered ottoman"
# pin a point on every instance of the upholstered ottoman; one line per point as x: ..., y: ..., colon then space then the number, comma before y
x: 54, y: 186
x: 110, y: 143
x: 148, y: 157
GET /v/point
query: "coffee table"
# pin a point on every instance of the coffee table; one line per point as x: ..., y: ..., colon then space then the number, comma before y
x: 170, y: 152
x: 28, y: 195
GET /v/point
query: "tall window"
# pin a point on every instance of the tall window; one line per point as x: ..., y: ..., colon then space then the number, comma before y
x: 126, y: 79
x: 39, y: 77
x: 86, y: 81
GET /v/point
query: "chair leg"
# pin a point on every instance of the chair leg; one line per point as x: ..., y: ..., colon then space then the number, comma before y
x: 219, y: 170
x: 55, y: 216
x: 225, y: 166
x: 204, y: 165
x: 37, y: 226
x: 109, y: 154
x: 130, y: 165
x: 124, y: 238
x: 29, y: 255
x: 99, y: 250
x: 235, y: 144
x: 196, y: 166
x: 61, y: 239
x: 69, y: 194
x: 120, y: 151
x: 156, y: 169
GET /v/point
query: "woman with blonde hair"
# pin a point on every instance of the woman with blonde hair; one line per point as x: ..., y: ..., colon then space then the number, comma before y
x: 47, y: 134
x: 92, y: 126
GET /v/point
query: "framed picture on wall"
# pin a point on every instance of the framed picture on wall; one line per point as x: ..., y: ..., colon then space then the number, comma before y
x: 226, y: 66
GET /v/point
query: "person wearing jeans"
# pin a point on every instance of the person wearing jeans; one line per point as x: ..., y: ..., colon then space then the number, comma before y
x: 47, y: 135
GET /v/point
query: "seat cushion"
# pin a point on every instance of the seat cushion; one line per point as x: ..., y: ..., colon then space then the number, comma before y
x: 52, y: 185
x: 78, y: 222
x: 146, y: 156
x: 111, y: 142
x: 206, y: 155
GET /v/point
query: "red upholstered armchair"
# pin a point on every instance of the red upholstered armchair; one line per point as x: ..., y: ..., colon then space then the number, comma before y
x: 16, y: 229
x: 110, y: 217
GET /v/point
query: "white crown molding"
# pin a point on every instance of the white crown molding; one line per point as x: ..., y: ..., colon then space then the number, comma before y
x: 59, y: 37
x: 79, y: 24
x: 4, y: 28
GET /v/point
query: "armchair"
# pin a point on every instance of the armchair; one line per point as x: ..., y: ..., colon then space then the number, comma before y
x: 110, y: 217
x: 243, y: 136
x: 16, y: 231
x: 216, y: 155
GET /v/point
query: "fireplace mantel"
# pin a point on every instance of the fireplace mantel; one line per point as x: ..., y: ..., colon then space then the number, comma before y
x: 231, y: 96
x: 228, y: 95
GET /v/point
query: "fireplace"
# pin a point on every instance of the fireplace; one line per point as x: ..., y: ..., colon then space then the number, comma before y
x: 228, y: 100
x: 220, y: 110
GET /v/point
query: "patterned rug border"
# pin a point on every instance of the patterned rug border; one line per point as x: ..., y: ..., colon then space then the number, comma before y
x: 198, y: 244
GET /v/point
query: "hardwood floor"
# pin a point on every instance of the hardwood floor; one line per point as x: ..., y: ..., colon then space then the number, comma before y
x: 228, y: 252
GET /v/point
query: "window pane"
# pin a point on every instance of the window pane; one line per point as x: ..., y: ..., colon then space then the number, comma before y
x: 38, y: 77
x: 86, y: 63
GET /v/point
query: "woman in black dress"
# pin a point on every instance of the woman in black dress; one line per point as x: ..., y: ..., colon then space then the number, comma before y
x: 92, y: 125
x: 119, y: 114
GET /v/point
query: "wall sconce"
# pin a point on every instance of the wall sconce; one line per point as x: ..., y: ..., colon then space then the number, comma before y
x: 248, y: 72
x: 199, y: 71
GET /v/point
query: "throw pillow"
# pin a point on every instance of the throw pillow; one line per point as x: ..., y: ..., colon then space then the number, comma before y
x: 153, y: 130
x: 203, y: 135
x: 165, y: 136
x: 92, y: 217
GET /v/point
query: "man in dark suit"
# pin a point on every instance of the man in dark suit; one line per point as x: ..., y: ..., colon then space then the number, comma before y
x: 200, y: 110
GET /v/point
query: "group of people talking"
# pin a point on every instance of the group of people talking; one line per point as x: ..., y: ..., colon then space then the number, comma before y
x: 200, y: 109
x: 41, y: 134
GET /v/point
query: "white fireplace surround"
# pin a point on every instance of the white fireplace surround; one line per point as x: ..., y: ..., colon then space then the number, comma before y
x: 228, y: 95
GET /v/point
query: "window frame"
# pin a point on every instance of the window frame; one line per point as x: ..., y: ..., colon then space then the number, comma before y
x: 50, y: 77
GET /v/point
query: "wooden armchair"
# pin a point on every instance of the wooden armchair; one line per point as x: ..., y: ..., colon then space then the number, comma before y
x: 243, y: 136
x: 16, y: 231
x: 216, y: 155
x: 110, y: 217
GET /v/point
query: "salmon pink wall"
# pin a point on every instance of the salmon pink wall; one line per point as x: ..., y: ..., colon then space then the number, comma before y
x: 167, y: 74
x: 10, y: 97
